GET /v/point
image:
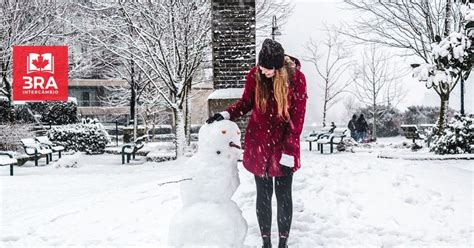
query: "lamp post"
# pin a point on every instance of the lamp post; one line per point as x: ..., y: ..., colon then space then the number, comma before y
x: 275, y: 30
x: 462, y: 96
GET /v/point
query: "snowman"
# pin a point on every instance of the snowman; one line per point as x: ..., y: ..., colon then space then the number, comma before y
x: 209, y: 217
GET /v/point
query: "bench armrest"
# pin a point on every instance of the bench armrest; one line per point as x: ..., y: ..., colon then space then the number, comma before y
x: 325, y: 135
x: 35, y: 148
x: 6, y: 154
x: 44, y: 145
x: 128, y: 145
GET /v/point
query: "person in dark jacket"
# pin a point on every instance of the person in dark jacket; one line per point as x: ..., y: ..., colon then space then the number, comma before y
x: 352, y: 126
x: 361, y: 128
x: 275, y: 92
x: 332, y: 127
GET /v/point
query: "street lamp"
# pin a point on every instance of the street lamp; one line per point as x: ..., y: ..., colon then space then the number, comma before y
x: 275, y: 30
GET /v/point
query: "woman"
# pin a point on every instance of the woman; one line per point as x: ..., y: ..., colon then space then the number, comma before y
x: 275, y: 91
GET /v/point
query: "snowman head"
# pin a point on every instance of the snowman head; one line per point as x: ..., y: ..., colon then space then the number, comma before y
x: 220, y: 139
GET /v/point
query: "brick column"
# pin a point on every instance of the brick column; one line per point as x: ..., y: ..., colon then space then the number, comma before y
x: 233, y: 51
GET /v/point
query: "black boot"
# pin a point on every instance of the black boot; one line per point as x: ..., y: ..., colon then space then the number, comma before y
x: 267, y: 243
x: 283, y: 243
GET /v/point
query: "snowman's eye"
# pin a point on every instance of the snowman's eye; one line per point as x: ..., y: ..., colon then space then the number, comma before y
x: 223, y: 131
x: 218, y: 152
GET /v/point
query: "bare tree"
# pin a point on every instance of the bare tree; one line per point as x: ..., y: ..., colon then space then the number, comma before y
x: 167, y: 45
x: 408, y: 25
x: 373, y: 83
x: 350, y: 105
x: 331, y: 66
x: 412, y: 27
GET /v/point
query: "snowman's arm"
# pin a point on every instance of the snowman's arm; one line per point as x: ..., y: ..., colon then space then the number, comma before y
x: 246, y: 102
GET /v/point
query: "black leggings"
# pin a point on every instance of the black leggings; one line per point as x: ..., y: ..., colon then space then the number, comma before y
x: 284, y: 204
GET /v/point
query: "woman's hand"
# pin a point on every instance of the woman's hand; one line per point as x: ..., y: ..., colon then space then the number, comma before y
x: 215, y: 117
x: 287, y: 164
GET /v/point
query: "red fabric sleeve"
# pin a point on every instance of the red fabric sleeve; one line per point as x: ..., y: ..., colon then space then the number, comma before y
x: 297, y: 112
x: 245, y: 103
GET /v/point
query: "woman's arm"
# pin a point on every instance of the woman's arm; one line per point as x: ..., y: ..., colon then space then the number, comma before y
x: 297, y: 112
x: 245, y: 103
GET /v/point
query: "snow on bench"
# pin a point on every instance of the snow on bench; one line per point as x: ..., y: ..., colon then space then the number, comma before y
x: 7, y: 159
x: 44, y: 140
x: 36, y: 149
x: 314, y: 136
x: 330, y: 138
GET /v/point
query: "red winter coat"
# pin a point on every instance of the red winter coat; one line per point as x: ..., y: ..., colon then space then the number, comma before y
x: 267, y: 135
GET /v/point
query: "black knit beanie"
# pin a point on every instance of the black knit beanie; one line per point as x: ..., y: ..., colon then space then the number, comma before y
x: 271, y: 55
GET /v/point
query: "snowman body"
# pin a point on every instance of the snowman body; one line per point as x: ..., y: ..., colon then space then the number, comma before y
x: 209, y: 217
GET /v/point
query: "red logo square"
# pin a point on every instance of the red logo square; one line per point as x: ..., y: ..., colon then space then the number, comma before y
x: 40, y: 73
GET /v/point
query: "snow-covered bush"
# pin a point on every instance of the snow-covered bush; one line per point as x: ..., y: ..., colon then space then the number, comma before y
x: 22, y: 114
x: 458, y: 137
x: 6, y: 111
x: 56, y: 112
x: 70, y: 161
x: 89, y: 138
x: 423, y: 115
x: 11, y: 134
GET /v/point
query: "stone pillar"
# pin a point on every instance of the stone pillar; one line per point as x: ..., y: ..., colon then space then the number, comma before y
x: 233, y: 51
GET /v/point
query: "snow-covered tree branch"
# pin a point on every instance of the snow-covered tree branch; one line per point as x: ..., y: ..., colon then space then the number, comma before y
x: 453, y: 59
x: 165, y: 40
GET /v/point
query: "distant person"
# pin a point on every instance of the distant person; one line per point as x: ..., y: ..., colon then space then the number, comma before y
x: 352, y: 126
x: 333, y: 126
x: 361, y: 128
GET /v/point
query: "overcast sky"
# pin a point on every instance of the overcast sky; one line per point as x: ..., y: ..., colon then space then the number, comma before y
x: 307, y: 21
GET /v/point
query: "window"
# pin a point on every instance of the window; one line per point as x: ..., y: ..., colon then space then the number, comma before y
x: 85, y: 99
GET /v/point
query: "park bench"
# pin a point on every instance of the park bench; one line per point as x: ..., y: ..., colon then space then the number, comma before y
x: 332, y: 139
x: 314, y: 136
x: 7, y: 159
x: 36, y: 149
x: 411, y: 132
x: 44, y: 140
x: 130, y: 149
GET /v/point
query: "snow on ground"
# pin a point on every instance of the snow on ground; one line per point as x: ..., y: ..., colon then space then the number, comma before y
x: 340, y: 200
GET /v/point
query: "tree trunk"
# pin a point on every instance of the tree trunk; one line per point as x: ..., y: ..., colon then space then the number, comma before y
x: 374, y: 126
x: 448, y: 18
x: 7, y: 88
x: 133, y: 101
x: 180, y: 140
x: 443, y: 110
x: 324, y: 113
x: 462, y: 96
x: 325, y: 106
x: 187, y: 113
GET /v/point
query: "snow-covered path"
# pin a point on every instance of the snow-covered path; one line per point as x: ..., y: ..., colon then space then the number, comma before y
x: 345, y: 199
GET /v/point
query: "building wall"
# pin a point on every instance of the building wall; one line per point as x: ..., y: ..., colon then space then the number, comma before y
x: 91, y: 106
x: 233, y: 41
x: 233, y: 49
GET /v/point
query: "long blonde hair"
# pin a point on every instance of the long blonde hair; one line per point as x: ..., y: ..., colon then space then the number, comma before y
x: 281, y: 83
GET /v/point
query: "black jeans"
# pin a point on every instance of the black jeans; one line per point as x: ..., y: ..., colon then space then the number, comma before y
x: 284, y: 204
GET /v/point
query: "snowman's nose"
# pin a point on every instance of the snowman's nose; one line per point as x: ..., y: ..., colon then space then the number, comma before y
x: 232, y: 144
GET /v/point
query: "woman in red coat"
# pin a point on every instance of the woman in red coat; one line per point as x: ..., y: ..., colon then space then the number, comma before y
x: 275, y: 92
